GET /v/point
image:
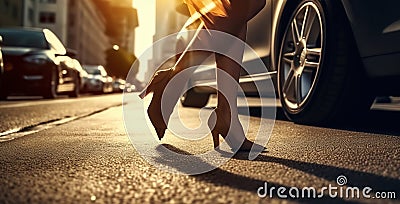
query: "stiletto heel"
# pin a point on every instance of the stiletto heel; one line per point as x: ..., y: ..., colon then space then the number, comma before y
x: 222, y: 129
x: 160, y: 132
x: 212, y: 125
x: 215, y: 135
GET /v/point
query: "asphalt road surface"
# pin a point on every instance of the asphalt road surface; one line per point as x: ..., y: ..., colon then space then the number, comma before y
x: 77, y: 151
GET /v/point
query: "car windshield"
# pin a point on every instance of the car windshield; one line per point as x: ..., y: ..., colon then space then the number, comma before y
x: 93, y: 71
x: 24, y: 38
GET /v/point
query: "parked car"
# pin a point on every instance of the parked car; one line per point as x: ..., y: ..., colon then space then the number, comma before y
x: 328, y: 59
x: 98, y: 79
x: 74, y: 74
x: 36, y: 63
x: 118, y: 85
x: 130, y: 88
x: 83, y: 75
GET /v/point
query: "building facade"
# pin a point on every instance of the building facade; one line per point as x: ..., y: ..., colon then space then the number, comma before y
x: 30, y: 13
x: 52, y: 14
x: 168, y: 21
x: 86, y: 32
x: 78, y: 23
x: 122, y: 20
x: 11, y: 12
x: 88, y: 26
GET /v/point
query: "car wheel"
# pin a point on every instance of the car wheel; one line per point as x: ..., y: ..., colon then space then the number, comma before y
x: 100, y: 91
x: 320, y: 77
x: 51, y: 88
x: 194, y: 99
x: 76, y: 91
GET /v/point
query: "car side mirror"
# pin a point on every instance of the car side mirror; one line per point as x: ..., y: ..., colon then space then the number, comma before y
x: 183, y: 9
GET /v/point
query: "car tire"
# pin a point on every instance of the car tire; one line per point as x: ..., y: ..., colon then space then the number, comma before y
x: 51, y: 86
x: 194, y: 99
x: 99, y: 92
x: 320, y: 75
x: 76, y: 91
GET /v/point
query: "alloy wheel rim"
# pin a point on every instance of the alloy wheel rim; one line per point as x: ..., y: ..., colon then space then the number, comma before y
x: 301, y: 56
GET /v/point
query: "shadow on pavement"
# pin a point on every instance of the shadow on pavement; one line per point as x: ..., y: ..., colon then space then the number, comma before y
x: 222, y: 177
x: 375, y: 121
x: 330, y: 173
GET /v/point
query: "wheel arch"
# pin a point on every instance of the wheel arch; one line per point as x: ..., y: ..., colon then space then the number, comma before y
x: 335, y: 102
x: 282, y: 13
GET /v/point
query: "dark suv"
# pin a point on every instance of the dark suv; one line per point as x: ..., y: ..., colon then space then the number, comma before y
x: 36, y: 63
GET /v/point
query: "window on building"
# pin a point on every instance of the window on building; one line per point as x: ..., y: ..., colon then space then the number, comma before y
x: 47, y: 17
x: 31, y: 14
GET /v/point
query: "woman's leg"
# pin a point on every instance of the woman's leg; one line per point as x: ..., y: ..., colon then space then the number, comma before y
x: 229, y: 70
x: 228, y: 74
x: 235, y: 23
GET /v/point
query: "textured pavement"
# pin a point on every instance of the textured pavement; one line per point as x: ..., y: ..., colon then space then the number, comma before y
x: 92, y: 160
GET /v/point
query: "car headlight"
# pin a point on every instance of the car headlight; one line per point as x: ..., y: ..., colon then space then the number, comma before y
x: 37, y: 59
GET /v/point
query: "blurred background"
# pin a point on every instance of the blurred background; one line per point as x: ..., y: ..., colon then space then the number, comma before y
x: 110, y: 33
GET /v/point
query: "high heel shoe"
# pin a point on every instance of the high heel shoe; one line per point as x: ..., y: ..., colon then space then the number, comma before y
x: 220, y: 127
x: 157, y: 82
x: 156, y: 86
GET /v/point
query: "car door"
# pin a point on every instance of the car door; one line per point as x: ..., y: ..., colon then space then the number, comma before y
x: 259, y: 31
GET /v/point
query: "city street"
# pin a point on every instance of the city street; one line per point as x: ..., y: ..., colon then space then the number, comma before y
x: 77, y: 151
x: 68, y: 133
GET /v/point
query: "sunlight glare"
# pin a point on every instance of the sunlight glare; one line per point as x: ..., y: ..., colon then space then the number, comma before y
x: 146, y: 29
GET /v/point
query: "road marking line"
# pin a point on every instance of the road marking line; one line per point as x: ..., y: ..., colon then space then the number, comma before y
x: 10, y: 132
x: 21, y: 132
x: 12, y: 135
